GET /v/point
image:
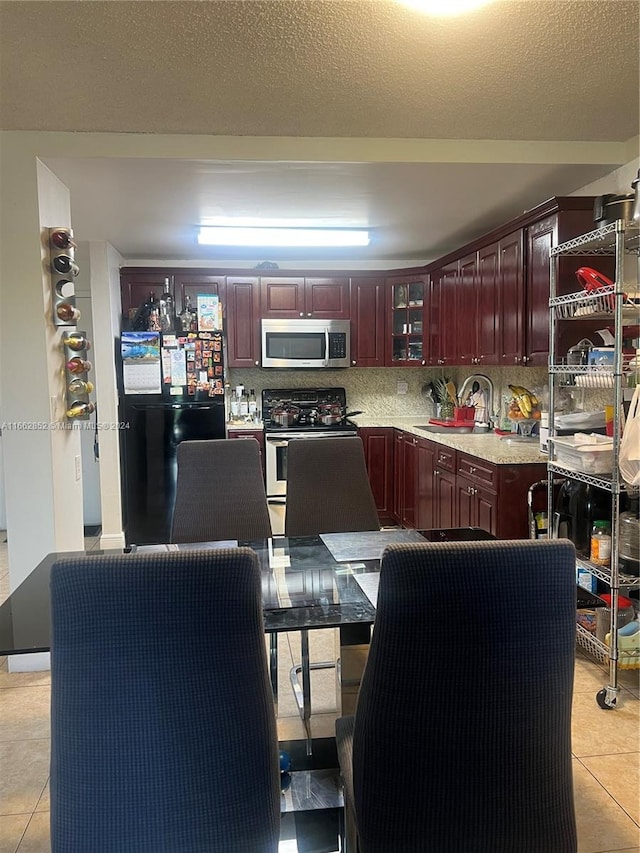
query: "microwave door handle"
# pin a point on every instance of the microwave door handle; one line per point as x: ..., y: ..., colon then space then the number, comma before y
x: 326, y: 347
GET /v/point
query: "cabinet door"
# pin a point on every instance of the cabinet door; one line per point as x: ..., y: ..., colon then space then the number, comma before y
x: 378, y: 454
x: 243, y: 324
x: 465, y: 503
x: 327, y: 298
x: 445, y: 499
x: 468, y: 319
x: 512, y: 303
x: 192, y: 283
x: 486, y: 510
x: 135, y: 287
x: 540, y: 238
x: 488, y: 320
x: 448, y: 313
x: 398, y: 474
x: 367, y: 322
x: 408, y: 497
x: 282, y: 297
x: 425, y: 490
x: 406, y: 299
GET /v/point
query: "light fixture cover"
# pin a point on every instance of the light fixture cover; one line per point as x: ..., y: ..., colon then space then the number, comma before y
x: 214, y: 235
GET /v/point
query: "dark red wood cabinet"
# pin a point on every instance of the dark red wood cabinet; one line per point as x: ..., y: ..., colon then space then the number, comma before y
x: 443, y: 331
x: 406, y: 315
x: 378, y: 453
x: 405, y: 459
x: 368, y: 321
x: 301, y: 296
x: 242, y: 321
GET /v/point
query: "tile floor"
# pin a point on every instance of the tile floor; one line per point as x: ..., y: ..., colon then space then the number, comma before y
x: 606, y: 746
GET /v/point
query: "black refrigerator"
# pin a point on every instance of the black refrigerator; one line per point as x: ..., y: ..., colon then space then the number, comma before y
x: 171, y: 390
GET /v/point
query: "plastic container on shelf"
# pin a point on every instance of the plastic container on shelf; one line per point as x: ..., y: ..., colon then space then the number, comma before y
x: 593, y: 457
x: 601, y: 543
x: 626, y: 614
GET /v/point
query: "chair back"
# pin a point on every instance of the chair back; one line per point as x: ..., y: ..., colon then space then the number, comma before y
x: 163, y: 734
x: 462, y: 733
x: 328, y: 489
x: 220, y: 492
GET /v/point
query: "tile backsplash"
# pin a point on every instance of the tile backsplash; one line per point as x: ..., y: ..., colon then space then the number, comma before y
x: 374, y: 391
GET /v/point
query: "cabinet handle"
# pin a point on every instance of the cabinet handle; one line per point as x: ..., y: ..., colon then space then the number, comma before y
x: 302, y: 313
x: 517, y: 359
x: 308, y: 315
x: 479, y: 359
x: 353, y: 362
x: 257, y: 363
x: 525, y: 359
x: 472, y: 470
x: 441, y: 361
x: 436, y: 473
x: 423, y: 362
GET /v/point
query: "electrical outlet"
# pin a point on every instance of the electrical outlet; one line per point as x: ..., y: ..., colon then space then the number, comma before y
x: 402, y: 387
x: 78, y: 462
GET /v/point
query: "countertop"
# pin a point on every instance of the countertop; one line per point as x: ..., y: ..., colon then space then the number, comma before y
x: 488, y: 446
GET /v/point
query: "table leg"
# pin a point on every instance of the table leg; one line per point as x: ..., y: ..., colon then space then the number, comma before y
x: 352, y: 655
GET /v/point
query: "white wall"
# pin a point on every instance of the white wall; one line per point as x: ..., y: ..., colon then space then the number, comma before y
x: 618, y: 181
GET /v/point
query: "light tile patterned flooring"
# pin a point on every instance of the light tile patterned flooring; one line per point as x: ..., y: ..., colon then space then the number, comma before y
x: 606, y: 746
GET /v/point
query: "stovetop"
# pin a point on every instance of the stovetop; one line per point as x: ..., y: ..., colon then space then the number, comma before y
x: 307, y: 401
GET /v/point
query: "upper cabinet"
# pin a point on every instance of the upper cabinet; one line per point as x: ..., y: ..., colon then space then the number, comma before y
x: 242, y: 321
x: 189, y: 284
x: 368, y: 321
x: 136, y: 285
x: 406, y: 327
x: 324, y: 298
x: 442, y: 316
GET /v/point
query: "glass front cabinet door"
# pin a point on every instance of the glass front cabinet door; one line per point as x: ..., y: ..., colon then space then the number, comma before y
x: 407, y: 297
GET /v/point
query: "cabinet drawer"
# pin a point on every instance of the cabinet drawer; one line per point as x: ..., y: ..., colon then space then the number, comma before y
x: 478, y: 470
x: 445, y: 458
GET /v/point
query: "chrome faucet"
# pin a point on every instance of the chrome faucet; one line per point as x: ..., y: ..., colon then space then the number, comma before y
x: 486, y: 386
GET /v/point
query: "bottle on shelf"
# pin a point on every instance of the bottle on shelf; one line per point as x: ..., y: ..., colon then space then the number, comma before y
x: 61, y: 239
x: 79, y: 409
x: 601, y: 543
x: 80, y: 386
x: 77, y: 342
x: 68, y: 313
x: 78, y: 365
x: 65, y: 264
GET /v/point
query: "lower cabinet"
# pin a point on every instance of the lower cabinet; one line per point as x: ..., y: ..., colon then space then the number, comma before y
x: 455, y: 489
x: 378, y: 454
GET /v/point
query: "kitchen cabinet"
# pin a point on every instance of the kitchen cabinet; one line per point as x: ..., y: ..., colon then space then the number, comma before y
x: 406, y: 327
x: 405, y: 458
x: 477, y: 307
x: 136, y: 285
x: 476, y: 495
x: 242, y: 321
x: 436, y: 484
x: 378, y: 453
x: 368, y: 321
x: 511, y: 307
x: 443, y: 333
x: 299, y: 296
x: 190, y: 284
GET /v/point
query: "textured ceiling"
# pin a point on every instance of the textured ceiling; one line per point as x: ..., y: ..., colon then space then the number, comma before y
x: 517, y: 69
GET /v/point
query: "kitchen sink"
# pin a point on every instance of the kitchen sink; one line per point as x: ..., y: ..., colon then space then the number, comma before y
x: 445, y: 430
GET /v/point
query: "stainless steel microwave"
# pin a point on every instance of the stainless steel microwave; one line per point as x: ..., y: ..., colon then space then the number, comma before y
x: 305, y: 343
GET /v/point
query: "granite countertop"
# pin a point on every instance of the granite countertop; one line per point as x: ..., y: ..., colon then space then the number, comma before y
x: 488, y: 446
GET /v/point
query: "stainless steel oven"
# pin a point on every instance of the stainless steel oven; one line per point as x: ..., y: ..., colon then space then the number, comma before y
x: 302, y: 408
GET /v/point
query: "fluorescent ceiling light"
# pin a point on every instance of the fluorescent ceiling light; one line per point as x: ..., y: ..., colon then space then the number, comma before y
x: 209, y: 235
x: 447, y: 8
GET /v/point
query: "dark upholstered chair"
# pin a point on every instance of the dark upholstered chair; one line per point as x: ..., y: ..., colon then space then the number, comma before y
x: 328, y: 491
x: 461, y: 741
x: 220, y: 492
x: 328, y: 488
x: 163, y: 734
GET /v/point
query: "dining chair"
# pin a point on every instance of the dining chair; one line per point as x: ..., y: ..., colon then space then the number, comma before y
x: 328, y: 491
x: 461, y: 739
x: 220, y: 494
x: 163, y: 733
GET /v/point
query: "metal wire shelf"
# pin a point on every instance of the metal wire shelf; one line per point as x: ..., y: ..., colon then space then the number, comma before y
x: 592, y: 644
x: 601, y: 241
x: 599, y: 304
x: 603, y: 573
